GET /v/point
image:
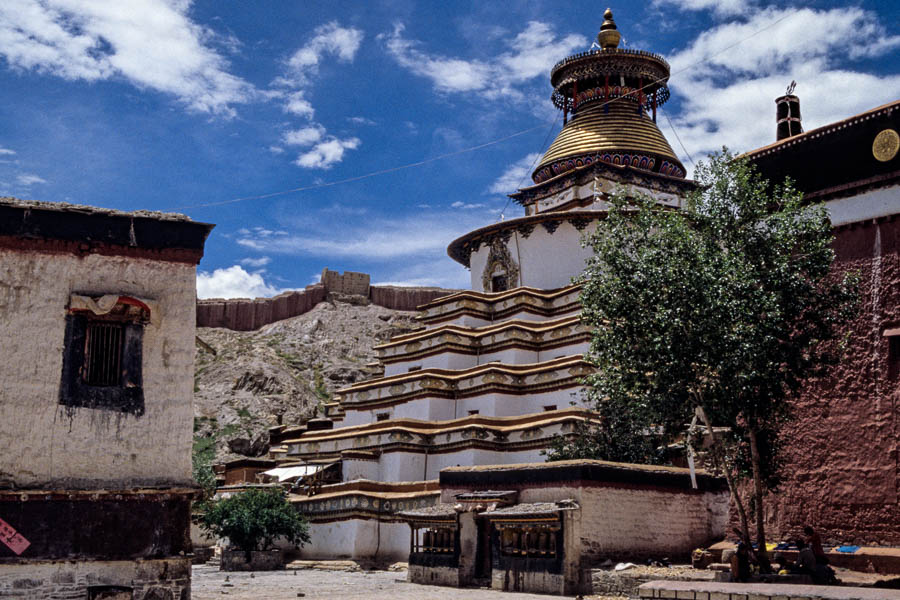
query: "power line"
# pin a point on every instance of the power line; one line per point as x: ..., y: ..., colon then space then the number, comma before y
x: 533, y: 163
x: 678, y: 137
x: 486, y: 144
x: 367, y: 175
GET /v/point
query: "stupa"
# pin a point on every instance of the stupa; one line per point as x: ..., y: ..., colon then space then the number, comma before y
x: 493, y: 376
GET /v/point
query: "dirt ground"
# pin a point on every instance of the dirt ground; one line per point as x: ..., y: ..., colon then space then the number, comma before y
x: 347, y: 581
x: 210, y: 584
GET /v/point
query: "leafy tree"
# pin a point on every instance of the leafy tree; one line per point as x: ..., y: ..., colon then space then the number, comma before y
x: 721, y: 309
x: 253, y: 519
x: 622, y: 432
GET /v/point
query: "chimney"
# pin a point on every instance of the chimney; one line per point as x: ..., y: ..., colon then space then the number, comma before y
x: 787, y: 114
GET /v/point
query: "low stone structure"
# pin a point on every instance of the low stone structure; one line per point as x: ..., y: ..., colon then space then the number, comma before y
x: 760, y: 591
x: 541, y: 527
x: 96, y: 372
x: 259, y: 560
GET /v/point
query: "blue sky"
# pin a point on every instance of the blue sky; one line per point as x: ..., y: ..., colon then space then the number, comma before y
x: 187, y: 106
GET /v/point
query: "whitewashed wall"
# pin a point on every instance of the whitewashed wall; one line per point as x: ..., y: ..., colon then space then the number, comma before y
x: 445, y: 409
x: 357, y: 539
x: 545, y: 261
x: 47, y: 444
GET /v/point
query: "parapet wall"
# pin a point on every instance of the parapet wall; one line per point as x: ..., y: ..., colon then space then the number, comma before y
x: 245, y: 314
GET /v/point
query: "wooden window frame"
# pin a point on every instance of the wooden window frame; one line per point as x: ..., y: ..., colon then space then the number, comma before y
x: 76, y: 389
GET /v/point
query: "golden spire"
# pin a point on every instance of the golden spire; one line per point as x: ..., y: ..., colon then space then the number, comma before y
x: 609, y: 36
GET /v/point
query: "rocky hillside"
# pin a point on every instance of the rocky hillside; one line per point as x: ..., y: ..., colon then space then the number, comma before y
x: 247, y: 381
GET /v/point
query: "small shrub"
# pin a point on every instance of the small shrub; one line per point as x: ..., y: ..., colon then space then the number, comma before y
x: 252, y: 520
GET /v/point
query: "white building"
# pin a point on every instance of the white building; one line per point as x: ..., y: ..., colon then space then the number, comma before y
x: 494, y: 375
x: 97, y: 313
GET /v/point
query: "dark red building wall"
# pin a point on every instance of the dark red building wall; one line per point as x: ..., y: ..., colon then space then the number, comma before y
x: 842, y: 469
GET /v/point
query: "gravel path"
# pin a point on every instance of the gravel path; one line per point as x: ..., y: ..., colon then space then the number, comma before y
x: 209, y: 584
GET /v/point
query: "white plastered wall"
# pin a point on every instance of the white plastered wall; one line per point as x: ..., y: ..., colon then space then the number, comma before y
x: 50, y: 445
x: 357, y: 539
x: 545, y: 260
x: 507, y: 356
x: 490, y: 404
x: 867, y: 205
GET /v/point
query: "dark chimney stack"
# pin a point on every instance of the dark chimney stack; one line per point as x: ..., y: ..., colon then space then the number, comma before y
x: 787, y: 114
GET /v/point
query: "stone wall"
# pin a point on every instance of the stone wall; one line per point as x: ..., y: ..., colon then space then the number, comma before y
x: 348, y: 282
x: 841, y: 475
x: 265, y: 560
x: 160, y: 579
x: 244, y: 314
x: 405, y: 298
x: 639, y: 523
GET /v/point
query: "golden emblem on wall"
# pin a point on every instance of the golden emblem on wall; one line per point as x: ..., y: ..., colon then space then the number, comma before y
x: 886, y: 144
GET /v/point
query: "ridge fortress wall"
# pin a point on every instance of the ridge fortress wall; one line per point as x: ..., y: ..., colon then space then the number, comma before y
x: 246, y: 314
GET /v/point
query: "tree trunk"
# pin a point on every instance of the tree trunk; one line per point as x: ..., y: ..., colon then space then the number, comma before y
x: 761, y: 554
x: 719, y: 456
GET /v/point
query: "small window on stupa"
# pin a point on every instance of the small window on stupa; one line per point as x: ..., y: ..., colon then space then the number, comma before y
x: 499, y: 283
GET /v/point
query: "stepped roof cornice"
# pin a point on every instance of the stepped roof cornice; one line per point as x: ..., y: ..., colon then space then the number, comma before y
x: 420, y: 427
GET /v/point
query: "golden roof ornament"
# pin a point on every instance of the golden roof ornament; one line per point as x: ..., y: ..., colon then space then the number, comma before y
x: 886, y: 145
x: 609, y: 36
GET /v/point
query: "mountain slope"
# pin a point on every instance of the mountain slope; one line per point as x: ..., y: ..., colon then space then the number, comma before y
x: 246, y: 382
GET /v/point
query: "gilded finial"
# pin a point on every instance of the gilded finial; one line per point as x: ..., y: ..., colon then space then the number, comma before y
x: 609, y: 36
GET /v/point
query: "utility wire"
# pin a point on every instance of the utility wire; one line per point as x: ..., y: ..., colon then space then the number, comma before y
x: 486, y: 144
x: 533, y: 164
x: 367, y: 175
x: 678, y: 137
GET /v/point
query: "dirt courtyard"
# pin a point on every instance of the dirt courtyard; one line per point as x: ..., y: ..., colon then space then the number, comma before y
x: 209, y: 584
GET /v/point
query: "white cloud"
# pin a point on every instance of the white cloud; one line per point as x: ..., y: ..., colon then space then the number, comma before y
x: 727, y: 96
x: 7, y: 151
x: 326, y: 150
x: 276, y: 149
x: 516, y: 175
x: 361, y: 121
x: 255, y: 263
x: 233, y: 282
x: 331, y: 38
x: 29, y: 179
x: 466, y: 206
x: 150, y: 43
x: 534, y: 51
x: 298, y: 105
x: 718, y: 7
x: 438, y: 272
x: 415, y: 237
x: 325, y: 154
x: 305, y: 136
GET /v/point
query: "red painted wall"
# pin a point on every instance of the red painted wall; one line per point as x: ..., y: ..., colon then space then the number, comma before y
x: 243, y: 314
x: 842, y: 469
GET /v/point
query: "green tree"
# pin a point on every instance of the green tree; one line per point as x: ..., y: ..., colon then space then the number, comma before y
x: 721, y: 309
x: 253, y: 519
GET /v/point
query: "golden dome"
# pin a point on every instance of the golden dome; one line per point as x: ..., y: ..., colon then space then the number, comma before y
x: 619, y: 136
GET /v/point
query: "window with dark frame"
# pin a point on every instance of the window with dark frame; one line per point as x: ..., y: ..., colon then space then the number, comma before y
x: 103, y: 359
x: 499, y: 283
